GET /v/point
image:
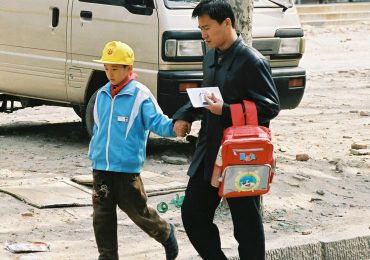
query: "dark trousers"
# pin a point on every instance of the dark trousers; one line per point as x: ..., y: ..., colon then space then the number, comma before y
x: 127, y: 191
x: 198, y: 210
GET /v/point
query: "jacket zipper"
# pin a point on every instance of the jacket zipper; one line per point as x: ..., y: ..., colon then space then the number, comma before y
x: 108, y: 138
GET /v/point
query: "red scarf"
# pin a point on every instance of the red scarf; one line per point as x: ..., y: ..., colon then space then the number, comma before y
x: 115, y: 89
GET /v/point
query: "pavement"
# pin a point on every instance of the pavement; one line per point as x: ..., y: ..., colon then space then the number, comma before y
x: 351, y: 244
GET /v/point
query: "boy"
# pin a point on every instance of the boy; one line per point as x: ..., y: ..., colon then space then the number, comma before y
x: 124, y: 113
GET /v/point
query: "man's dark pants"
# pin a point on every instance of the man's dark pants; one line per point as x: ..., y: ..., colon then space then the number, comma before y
x: 198, y: 210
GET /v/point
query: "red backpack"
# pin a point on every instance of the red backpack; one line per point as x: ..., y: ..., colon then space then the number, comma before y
x: 245, y: 165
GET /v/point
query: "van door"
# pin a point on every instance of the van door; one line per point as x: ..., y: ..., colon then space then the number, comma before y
x: 33, y: 48
x: 96, y: 22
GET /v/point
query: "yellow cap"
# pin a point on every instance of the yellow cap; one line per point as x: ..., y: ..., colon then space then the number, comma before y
x: 117, y: 52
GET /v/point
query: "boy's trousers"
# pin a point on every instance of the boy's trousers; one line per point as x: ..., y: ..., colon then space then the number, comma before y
x: 127, y: 191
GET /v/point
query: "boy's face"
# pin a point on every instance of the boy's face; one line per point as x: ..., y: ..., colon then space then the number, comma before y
x: 213, y: 33
x: 117, y: 73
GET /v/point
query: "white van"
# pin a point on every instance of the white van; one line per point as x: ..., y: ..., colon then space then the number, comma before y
x: 47, y: 48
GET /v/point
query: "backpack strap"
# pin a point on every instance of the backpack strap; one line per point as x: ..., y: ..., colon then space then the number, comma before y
x: 237, y: 115
x: 250, y: 112
x: 244, y: 113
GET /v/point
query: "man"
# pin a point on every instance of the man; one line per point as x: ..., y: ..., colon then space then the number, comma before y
x: 241, y: 73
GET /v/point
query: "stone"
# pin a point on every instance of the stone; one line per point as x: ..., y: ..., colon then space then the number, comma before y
x: 299, y: 178
x: 282, y: 149
x: 358, y: 146
x: 339, y: 167
x: 302, y: 157
x: 360, y: 152
x: 306, y: 232
x: 175, y: 159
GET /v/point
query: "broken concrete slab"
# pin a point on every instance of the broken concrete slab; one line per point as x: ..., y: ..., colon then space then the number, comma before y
x: 84, y: 179
x: 154, y: 183
x: 51, y: 195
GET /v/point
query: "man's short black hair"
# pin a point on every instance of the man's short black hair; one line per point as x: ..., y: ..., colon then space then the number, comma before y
x: 217, y: 10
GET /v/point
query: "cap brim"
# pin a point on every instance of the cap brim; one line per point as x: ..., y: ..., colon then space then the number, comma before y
x: 110, y: 62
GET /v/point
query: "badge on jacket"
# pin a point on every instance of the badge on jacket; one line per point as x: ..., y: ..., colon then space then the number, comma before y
x: 122, y: 119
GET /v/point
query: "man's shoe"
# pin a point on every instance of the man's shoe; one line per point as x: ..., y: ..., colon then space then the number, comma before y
x: 170, y: 246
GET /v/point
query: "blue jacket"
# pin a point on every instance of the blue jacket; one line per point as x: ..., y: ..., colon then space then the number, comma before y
x: 122, y: 125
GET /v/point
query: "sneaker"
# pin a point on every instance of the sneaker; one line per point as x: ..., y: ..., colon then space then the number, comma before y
x: 170, y: 246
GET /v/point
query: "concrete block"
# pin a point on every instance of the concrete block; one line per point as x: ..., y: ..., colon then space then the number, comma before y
x: 347, y: 249
x: 308, y: 251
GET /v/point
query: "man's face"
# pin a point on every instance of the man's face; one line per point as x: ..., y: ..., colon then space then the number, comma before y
x: 213, y: 33
x: 116, y: 73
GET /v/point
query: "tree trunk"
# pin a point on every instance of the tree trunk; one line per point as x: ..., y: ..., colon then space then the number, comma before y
x: 243, y: 10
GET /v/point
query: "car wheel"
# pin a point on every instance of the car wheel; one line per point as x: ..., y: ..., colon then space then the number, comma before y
x: 89, y: 114
x: 77, y: 110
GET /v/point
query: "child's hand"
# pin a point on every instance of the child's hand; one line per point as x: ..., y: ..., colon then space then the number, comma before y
x: 214, y: 104
x: 181, y: 128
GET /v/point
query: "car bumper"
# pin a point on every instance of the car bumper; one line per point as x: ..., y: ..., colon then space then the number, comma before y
x: 170, y: 98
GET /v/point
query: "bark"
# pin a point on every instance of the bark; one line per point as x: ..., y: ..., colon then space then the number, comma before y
x: 243, y: 10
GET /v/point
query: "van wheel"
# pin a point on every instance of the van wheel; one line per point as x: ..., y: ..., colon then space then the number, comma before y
x: 89, y: 114
x: 77, y: 110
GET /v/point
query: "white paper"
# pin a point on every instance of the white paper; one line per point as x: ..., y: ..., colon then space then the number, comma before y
x: 27, y: 247
x: 196, y: 95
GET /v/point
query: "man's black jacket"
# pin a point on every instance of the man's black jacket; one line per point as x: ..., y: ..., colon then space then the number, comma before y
x: 241, y: 73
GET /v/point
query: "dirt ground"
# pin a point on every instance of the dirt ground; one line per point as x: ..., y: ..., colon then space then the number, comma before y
x: 326, y: 197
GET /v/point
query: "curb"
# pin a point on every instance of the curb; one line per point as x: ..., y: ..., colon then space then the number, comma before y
x: 357, y: 248
x: 333, y: 13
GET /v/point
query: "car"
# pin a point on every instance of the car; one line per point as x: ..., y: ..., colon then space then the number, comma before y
x: 47, y: 50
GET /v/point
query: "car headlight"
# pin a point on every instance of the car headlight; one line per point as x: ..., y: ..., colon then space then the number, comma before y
x: 289, y: 45
x: 184, y: 48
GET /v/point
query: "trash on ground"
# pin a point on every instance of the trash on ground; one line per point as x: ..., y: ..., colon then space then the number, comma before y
x: 162, y: 207
x: 178, y: 201
x: 27, y: 247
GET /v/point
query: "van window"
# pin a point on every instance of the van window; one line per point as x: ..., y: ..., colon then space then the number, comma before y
x: 181, y: 4
x: 144, y: 7
x: 184, y: 4
x: 106, y: 2
x: 267, y: 3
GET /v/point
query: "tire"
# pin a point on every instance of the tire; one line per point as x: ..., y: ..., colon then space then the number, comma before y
x: 89, y: 114
x: 77, y: 110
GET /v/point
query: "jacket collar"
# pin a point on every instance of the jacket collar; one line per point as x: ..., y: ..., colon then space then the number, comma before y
x: 228, y: 55
x: 129, y: 89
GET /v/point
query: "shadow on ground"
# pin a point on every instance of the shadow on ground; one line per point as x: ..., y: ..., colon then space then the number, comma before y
x: 74, y: 132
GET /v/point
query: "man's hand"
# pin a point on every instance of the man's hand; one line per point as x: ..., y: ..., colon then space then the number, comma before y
x: 214, y: 104
x: 181, y: 128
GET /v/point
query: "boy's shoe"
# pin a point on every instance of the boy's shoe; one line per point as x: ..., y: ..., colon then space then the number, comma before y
x: 170, y: 246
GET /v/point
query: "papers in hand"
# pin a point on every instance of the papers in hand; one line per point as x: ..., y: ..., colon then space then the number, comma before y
x: 196, y: 95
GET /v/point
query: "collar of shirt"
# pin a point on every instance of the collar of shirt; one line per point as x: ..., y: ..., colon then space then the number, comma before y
x: 115, y: 89
x: 219, y: 55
